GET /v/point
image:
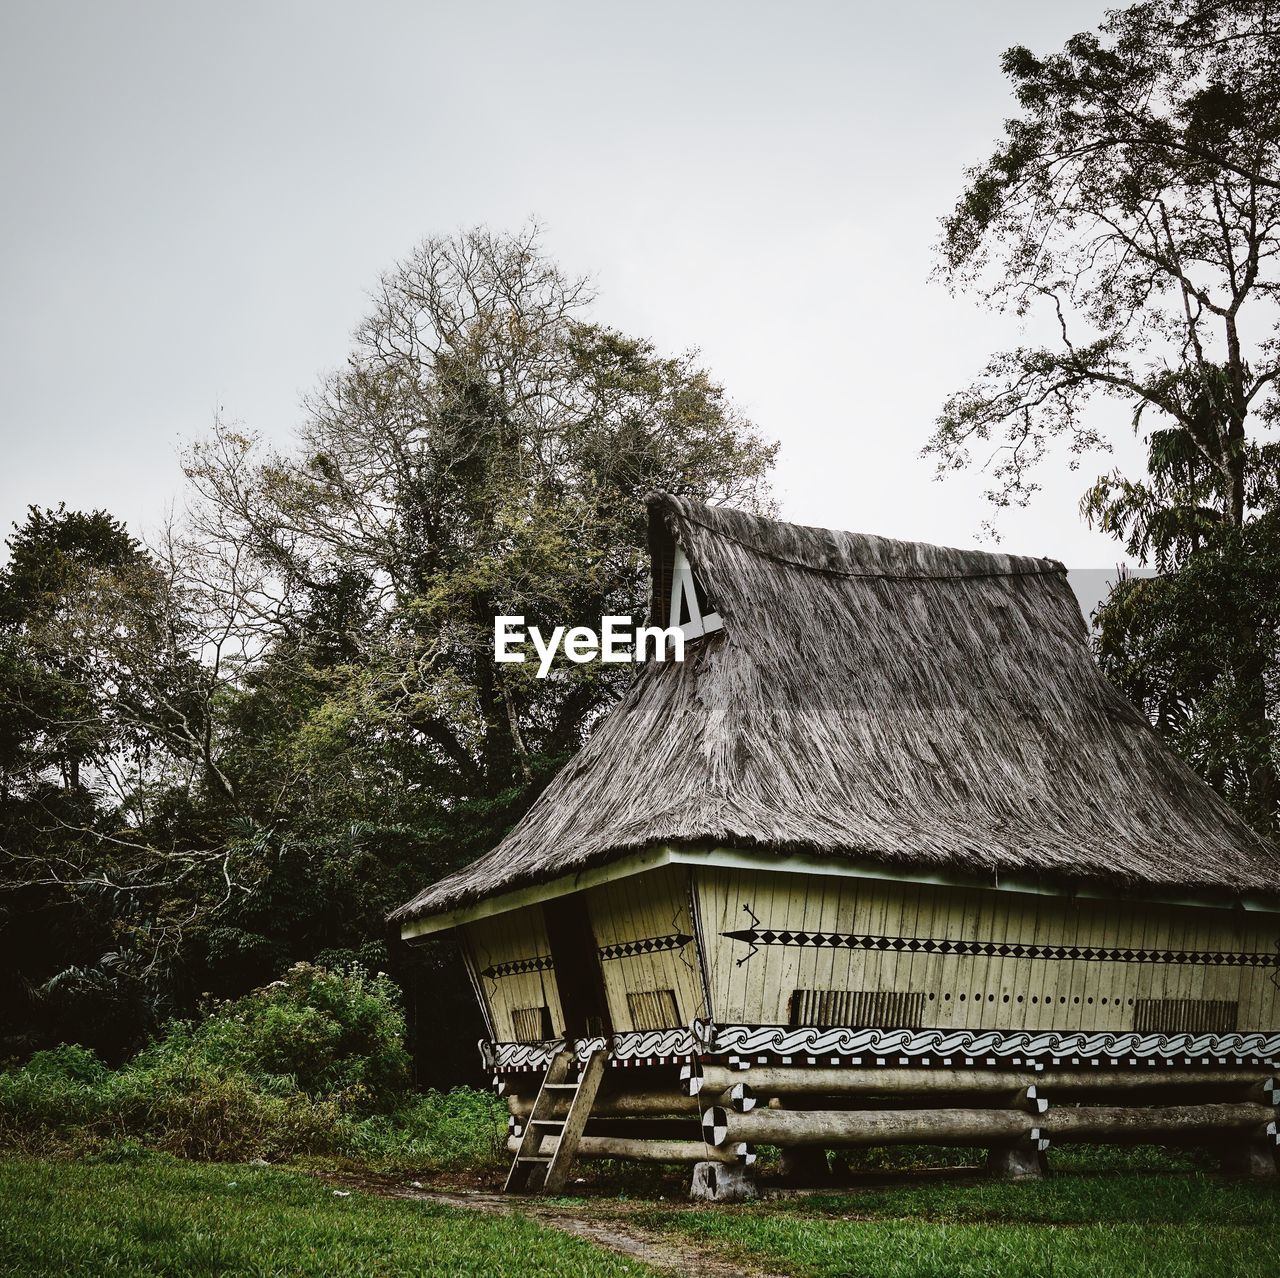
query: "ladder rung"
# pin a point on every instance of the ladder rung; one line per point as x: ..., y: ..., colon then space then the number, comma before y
x: 579, y: 1097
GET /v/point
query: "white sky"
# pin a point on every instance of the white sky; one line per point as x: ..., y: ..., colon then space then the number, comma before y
x: 196, y: 200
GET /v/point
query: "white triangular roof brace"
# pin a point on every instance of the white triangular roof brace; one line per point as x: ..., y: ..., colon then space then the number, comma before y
x: 691, y: 610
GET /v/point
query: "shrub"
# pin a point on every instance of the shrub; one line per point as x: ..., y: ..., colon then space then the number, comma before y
x: 68, y: 1063
x: 56, y: 1092
x: 438, y: 1131
x: 313, y: 1064
x: 332, y: 1034
x: 201, y: 1111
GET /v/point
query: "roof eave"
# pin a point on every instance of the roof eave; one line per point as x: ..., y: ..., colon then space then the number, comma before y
x: 720, y: 857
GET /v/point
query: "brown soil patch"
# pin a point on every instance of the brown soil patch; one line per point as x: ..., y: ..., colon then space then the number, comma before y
x: 610, y: 1231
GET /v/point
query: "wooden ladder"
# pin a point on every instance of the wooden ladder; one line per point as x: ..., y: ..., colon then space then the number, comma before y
x: 566, y: 1132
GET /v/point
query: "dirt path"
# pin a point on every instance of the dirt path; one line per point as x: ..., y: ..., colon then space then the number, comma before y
x: 613, y: 1233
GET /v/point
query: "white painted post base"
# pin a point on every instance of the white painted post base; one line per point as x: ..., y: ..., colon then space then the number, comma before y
x: 1016, y: 1162
x: 722, y: 1183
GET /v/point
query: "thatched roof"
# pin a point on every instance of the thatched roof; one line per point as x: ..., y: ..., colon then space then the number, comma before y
x: 914, y: 705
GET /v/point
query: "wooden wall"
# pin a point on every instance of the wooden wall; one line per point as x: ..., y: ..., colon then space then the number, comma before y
x: 510, y: 959
x: 645, y: 944
x: 645, y: 947
x: 988, y: 988
x: 646, y: 937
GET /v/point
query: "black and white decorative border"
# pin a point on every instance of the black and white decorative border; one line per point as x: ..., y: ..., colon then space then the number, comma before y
x: 645, y: 945
x: 744, y: 1045
x: 633, y: 1047
x: 756, y: 936
x: 539, y: 963
x: 621, y: 949
x: 843, y: 1046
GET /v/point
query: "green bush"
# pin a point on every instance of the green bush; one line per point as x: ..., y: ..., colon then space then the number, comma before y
x: 57, y: 1093
x: 438, y: 1131
x: 313, y: 1065
x: 332, y: 1034
x: 69, y: 1063
x: 205, y: 1112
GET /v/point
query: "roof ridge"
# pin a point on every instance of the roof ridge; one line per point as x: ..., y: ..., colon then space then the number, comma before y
x: 787, y: 561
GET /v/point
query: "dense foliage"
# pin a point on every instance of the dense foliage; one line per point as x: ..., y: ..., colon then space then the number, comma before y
x: 241, y: 746
x: 1130, y: 216
x: 312, y: 1065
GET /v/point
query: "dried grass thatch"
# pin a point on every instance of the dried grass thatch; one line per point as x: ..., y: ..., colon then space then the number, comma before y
x: 919, y: 706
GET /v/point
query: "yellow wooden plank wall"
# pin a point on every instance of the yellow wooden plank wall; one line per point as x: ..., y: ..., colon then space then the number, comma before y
x: 647, y: 906
x: 644, y: 907
x: 517, y: 936
x: 971, y: 991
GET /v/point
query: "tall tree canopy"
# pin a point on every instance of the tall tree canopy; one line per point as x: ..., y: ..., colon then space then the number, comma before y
x: 1131, y: 214
x: 103, y: 720
x: 485, y: 450
x: 313, y: 723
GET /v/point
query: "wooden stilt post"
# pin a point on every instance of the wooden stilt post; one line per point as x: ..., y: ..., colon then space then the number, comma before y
x: 1255, y: 1155
x: 1024, y: 1158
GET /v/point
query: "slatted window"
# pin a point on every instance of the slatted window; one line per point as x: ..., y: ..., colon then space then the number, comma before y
x: 879, y: 1009
x: 1185, y: 1016
x: 653, y: 1009
x: 532, y: 1024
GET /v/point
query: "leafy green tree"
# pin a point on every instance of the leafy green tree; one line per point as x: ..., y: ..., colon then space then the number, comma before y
x: 57, y: 718
x: 1193, y: 646
x: 83, y: 762
x: 485, y: 450
x: 286, y: 718
x: 1131, y: 216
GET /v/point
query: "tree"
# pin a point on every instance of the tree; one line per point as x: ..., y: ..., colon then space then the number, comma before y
x: 485, y: 451
x: 1192, y: 646
x: 104, y: 712
x: 1133, y: 209
x: 241, y: 747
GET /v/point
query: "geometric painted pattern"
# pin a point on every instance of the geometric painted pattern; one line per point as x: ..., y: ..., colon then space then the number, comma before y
x: 623, y: 1048
x: 946, y: 1047
x: 839, y: 1045
x: 648, y: 945
x: 541, y: 963
x: 624, y: 949
x: 757, y: 936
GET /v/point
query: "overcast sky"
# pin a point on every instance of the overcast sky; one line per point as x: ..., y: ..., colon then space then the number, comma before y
x: 196, y: 200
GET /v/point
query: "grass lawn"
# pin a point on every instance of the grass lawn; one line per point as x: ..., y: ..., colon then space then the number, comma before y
x: 158, y: 1215
x: 1122, y: 1226
x: 161, y: 1216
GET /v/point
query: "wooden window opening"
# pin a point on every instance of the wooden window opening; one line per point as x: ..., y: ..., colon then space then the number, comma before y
x: 532, y: 1024
x: 863, y: 1009
x: 653, y: 1009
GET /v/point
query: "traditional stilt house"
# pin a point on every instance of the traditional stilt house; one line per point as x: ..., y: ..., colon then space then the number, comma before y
x: 885, y: 841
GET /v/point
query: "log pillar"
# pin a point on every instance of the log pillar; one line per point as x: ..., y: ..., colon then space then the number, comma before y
x: 723, y: 1182
x: 804, y: 1166
x: 1018, y: 1160
x: 1255, y: 1155
x: 1024, y: 1157
x: 1254, y: 1159
x: 1220, y: 1083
